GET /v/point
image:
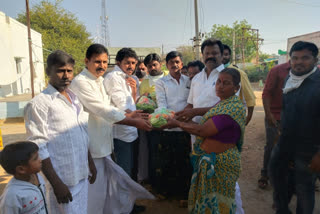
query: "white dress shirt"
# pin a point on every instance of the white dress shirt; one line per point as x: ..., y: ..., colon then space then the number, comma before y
x: 59, y: 128
x: 172, y: 95
x: 121, y: 97
x: 202, y: 92
x: 102, y: 115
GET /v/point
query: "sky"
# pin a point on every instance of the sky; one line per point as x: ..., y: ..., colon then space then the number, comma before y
x: 170, y: 23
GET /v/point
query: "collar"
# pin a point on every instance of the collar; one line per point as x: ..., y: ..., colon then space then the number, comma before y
x: 119, y: 71
x: 54, y: 93
x: 171, y: 77
x: 218, y: 69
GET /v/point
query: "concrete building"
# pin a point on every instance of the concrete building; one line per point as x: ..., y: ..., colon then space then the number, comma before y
x: 310, y: 37
x: 141, y: 52
x: 14, y: 58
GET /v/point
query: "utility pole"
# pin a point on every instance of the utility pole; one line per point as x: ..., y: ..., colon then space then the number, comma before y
x: 234, y: 47
x: 197, y: 36
x: 243, y: 47
x: 256, y: 42
x: 30, y: 48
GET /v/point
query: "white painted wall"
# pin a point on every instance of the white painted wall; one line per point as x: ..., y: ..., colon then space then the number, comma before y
x: 14, y: 45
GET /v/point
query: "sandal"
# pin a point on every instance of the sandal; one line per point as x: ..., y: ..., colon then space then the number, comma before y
x: 263, y: 182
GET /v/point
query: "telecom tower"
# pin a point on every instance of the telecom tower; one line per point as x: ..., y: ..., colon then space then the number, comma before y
x: 105, y: 40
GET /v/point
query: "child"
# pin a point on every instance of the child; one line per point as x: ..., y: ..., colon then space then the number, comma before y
x: 25, y: 193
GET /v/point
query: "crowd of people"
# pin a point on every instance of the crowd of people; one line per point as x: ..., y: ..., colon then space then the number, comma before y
x: 95, y: 150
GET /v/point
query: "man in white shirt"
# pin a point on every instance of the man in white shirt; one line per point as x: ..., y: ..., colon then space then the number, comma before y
x: 121, y: 88
x: 88, y: 85
x: 175, y: 145
x: 56, y: 122
x: 203, y: 93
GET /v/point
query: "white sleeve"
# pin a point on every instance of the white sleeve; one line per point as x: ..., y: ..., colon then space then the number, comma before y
x: 86, y: 94
x: 190, y: 97
x: 115, y: 90
x: 36, y: 123
x: 161, y: 94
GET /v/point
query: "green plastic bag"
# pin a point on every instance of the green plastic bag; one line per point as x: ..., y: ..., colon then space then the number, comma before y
x: 146, y: 104
x: 160, y: 116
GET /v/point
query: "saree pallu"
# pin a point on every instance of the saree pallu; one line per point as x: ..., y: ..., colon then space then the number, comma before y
x: 214, y: 176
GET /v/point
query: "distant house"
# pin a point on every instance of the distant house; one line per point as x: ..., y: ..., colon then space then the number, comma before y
x: 310, y: 37
x: 14, y: 58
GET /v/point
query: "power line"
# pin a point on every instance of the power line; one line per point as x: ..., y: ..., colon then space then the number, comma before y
x: 303, y: 4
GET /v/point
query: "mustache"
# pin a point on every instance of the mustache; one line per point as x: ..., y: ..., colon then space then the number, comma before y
x: 100, y: 69
x: 211, y: 59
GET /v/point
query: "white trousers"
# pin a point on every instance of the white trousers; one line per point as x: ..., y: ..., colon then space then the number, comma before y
x: 239, y: 209
x: 79, y: 202
x: 113, y: 192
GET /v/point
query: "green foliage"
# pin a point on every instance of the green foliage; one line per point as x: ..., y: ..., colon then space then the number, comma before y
x: 187, y: 52
x: 263, y: 56
x: 60, y: 29
x: 260, y: 72
x: 225, y: 34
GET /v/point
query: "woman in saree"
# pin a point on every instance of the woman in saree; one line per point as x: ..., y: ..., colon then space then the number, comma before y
x: 216, y: 152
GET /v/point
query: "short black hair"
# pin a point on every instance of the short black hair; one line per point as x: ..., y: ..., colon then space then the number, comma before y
x: 212, y: 42
x: 196, y: 63
x: 302, y: 45
x: 17, y: 154
x: 234, y: 73
x: 58, y: 59
x: 139, y: 62
x: 173, y: 54
x: 151, y: 57
x: 96, y: 49
x: 125, y: 53
x: 226, y: 47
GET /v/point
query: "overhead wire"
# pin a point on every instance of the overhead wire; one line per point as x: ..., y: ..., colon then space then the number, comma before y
x: 303, y: 4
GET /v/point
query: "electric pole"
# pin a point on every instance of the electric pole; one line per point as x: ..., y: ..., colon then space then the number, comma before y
x: 234, y: 47
x: 243, y: 47
x: 197, y: 36
x: 30, y: 48
x: 256, y: 41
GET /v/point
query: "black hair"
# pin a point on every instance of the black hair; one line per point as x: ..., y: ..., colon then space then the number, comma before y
x: 96, y: 49
x: 17, y: 154
x: 173, y: 54
x: 302, y: 45
x: 234, y: 73
x: 139, y: 62
x: 212, y: 42
x: 58, y: 59
x: 196, y: 63
x: 125, y: 53
x: 151, y: 57
x: 226, y: 47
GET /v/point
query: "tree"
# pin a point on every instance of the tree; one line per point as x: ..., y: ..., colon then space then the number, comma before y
x: 187, y: 52
x: 242, y: 36
x: 60, y: 29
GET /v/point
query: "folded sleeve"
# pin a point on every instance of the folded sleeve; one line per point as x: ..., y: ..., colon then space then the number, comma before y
x: 36, y: 123
x: 247, y: 90
x: 94, y: 104
x: 161, y: 94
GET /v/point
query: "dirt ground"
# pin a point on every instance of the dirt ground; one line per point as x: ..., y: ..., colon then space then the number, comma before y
x: 255, y: 200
